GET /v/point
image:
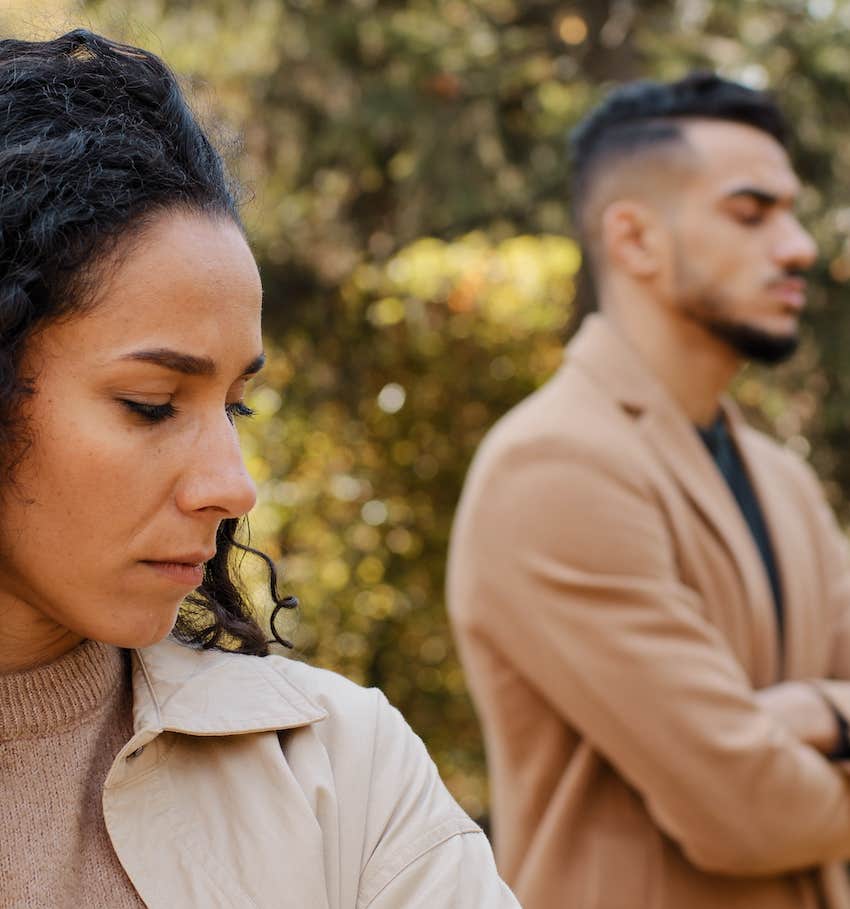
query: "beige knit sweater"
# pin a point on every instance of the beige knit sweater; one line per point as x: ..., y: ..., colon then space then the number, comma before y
x: 61, y: 725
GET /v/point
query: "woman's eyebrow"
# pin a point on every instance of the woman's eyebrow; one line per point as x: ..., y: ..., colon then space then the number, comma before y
x: 187, y: 364
x: 255, y: 365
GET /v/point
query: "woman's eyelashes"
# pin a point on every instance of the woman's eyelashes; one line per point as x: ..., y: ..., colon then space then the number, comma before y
x: 238, y: 409
x: 150, y: 413
x: 156, y: 413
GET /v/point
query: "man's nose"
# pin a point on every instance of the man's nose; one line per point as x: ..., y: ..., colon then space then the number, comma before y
x: 796, y: 248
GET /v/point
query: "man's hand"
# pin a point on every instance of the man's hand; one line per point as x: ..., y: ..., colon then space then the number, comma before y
x: 804, y: 712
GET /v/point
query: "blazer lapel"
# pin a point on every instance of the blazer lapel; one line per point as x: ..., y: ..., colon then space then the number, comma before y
x: 678, y: 445
x: 791, y: 540
x: 614, y: 364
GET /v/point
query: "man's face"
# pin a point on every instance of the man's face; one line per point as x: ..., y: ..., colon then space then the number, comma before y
x: 739, y: 251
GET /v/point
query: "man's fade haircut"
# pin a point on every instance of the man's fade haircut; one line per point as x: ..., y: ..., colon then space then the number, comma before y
x: 641, y: 114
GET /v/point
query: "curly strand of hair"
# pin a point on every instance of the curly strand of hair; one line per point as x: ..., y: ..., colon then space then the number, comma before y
x: 287, y: 603
x: 218, y: 609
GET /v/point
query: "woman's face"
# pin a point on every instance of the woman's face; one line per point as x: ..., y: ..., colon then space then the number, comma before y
x: 135, y: 458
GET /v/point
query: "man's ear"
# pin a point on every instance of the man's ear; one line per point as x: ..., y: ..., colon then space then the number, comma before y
x: 633, y: 237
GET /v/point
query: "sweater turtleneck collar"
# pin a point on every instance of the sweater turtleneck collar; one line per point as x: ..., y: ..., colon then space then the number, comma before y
x: 61, y: 694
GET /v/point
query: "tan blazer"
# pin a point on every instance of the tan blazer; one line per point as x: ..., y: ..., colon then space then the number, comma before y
x: 261, y: 783
x: 614, y: 617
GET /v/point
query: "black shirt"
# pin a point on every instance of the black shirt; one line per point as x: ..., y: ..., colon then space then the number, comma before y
x: 729, y: 463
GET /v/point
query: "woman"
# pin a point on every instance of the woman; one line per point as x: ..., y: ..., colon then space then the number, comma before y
x: 139, y: 771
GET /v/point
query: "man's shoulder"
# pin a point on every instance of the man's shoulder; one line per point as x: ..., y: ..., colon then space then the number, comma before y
x: 570, y: 416
x: 781, y: 471
x: 764, y: 452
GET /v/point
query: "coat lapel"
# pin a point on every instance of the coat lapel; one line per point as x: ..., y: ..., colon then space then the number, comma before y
x: 678, y: 445
x: 792, y: 542
x: 612, y: 363
x: 197, y: 802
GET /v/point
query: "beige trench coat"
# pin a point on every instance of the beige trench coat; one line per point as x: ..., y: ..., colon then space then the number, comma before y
x: 614, y: 617
x: 262, y: 782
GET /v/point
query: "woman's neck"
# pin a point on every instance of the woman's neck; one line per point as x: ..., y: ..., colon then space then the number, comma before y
x: 29, y: 639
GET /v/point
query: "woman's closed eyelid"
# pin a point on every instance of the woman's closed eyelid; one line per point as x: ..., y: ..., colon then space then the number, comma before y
x: 152, y: 413
x: 155, y: 413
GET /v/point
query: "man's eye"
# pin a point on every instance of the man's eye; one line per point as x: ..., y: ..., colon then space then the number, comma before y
x: 749, y: 215
x: 151, y: 413
x: 238, y: 409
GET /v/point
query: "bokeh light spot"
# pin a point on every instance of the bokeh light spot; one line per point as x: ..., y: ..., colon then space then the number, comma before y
x: 391, y: 397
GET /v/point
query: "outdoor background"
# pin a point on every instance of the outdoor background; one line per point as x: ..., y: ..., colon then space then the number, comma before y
x: 408, y: 205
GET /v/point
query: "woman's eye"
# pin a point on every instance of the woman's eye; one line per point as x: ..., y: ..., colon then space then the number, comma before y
x: 151, y: 413
x: 238, y: 409
x: 155, y: 413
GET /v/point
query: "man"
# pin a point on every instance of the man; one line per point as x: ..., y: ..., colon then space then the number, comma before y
x: 651, y: 599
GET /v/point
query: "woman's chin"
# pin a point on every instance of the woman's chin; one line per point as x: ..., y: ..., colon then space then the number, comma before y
x: 137, y: 636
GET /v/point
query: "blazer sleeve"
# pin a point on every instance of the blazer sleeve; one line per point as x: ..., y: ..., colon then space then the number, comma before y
x: 422, y: 850
x: 832, y: 546
x: 569, y: 573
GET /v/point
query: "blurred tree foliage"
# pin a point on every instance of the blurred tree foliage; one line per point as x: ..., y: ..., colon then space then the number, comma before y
x: 410, y: 216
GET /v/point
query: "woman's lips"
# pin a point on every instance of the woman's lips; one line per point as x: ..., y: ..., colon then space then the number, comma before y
x: 183, y: 573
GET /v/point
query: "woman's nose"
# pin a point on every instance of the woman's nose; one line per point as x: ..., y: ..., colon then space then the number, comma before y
x: 216, y: 477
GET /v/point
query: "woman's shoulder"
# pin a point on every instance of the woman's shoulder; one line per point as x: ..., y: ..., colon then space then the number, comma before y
x: 326, y: 718
x: 358, y: 719
x: 351, y: 754
x: 322, y: 685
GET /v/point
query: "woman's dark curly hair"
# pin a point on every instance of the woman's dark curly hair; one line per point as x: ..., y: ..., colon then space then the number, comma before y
x: 96, y: 140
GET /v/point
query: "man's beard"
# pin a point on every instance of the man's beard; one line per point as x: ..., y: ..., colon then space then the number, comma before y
x: 747, y: 341
x: 750, y: 342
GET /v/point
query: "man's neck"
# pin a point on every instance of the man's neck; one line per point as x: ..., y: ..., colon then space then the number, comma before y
x: 695, y: 366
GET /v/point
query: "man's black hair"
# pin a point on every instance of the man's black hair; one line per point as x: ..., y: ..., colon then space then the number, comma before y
x: 641, y: 114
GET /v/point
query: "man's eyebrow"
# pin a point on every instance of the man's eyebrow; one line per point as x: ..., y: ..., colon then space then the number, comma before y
x: 187, y: 364
x: 761, y: 196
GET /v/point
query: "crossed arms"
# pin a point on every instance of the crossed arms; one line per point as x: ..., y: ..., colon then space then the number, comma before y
x: 602, y: 624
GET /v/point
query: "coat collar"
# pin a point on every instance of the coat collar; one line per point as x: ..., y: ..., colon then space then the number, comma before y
x: 607, y: 358
x: 207, y: 692
x: 601, y: 352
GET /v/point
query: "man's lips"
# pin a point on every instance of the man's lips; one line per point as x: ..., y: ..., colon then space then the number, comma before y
x: 791, y: 291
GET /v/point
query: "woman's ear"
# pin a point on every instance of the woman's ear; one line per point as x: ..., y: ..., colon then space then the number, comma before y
x: 633, y: 238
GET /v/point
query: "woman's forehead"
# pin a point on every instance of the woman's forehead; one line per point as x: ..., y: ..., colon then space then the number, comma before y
x: 189, y: 285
